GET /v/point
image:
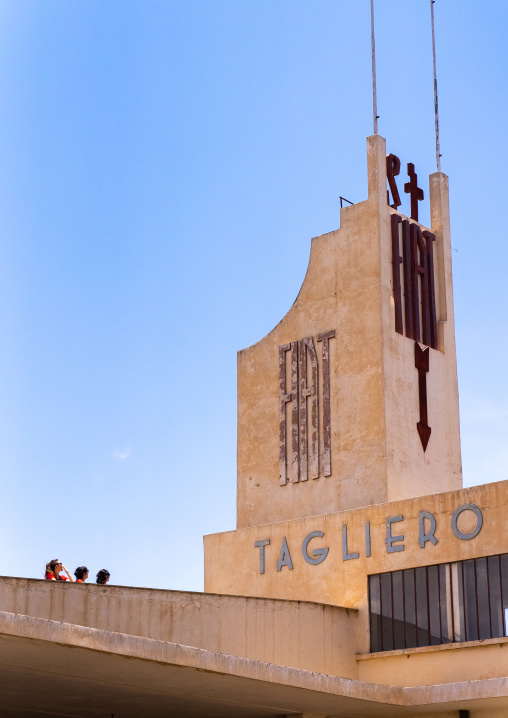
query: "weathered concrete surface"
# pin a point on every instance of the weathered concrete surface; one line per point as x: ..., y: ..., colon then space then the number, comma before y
x: 232, y: 560
x: 375, y: 447
x: 299, y: 634
x: 77, y: 671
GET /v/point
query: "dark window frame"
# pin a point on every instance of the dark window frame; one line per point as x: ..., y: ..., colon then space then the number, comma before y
x: 438, y: 604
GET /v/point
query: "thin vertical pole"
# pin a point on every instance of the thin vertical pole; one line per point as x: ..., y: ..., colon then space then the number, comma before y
x: 436, y: 111
x: 374, y: 92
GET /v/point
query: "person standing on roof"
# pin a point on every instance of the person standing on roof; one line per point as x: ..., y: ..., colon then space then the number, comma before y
x: 54, y: 571
x: 102, y: 577
x: 81, y: 574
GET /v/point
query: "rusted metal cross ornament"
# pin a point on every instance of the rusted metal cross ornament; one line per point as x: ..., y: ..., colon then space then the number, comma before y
x: 412, y: 188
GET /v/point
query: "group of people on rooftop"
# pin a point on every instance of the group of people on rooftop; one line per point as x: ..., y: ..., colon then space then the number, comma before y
x: 55, y: 570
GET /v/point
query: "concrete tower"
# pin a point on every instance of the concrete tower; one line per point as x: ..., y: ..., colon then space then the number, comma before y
x: 329, y: 401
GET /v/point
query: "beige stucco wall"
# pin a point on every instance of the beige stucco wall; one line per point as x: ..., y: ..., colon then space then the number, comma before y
x: 434, y: 665
x: 298, y: 634
x: 376, y: 451
x: 232, y: 562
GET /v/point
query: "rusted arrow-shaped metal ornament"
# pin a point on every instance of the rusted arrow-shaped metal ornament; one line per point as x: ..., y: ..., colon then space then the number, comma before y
x: 422, y: 364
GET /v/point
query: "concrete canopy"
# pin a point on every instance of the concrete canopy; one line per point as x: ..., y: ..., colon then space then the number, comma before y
x: 49, y: 668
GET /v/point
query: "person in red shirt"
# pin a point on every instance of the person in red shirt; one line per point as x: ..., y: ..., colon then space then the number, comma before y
x: 54, y: 569
x: 81, y: 574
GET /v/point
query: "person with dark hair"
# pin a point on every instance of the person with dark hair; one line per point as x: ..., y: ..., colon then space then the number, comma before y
x: 103, y: 577
x: 54, y: 569
x: 81, y: 574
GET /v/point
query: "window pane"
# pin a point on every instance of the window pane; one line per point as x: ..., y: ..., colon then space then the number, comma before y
x: 471, y: 617
x: 482, y: 592
x: 422, y: 618
x: 398, y: 610
x: 410, y: 601
x: 496, y: 608
x: 375, y: 613
x: 434, y: 599
x: 504, y: 588
x: 386, y: 611
x: 445, y: 603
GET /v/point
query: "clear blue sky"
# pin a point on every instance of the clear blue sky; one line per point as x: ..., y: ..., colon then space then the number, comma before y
x: 163, y: 167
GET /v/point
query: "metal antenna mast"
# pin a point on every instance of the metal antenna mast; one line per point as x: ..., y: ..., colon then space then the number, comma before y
x: 374, y: 93
x: 436, y: 112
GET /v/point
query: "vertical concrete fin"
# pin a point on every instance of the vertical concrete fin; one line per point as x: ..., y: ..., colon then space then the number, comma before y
x: 376, y: 171
x: 440, y: 225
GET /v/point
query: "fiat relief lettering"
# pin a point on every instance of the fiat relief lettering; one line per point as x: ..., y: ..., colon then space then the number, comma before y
x: 419, y: 322
x: 304, y: 449
x: 416, y: 317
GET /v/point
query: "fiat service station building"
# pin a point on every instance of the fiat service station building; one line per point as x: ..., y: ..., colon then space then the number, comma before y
x: 362, y: 579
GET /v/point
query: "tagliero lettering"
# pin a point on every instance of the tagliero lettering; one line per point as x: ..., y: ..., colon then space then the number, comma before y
x: 315, y: 554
